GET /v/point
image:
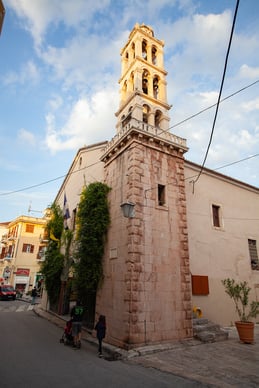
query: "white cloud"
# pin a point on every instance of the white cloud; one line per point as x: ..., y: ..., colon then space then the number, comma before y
x: 252, y: 105
x: 28, y: 74
x: 89, y: 121
x: 26, y: 137
x: 39, y: 14
x: 249, y: 72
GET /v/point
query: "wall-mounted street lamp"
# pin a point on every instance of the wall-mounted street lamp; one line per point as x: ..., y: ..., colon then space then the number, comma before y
x: 128, y: 209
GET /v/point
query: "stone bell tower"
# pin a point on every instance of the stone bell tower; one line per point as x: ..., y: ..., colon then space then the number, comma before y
x: 142, y: 82
x: 146, y: 290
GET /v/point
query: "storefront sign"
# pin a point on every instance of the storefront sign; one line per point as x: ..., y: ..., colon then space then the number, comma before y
x: 22, y: 272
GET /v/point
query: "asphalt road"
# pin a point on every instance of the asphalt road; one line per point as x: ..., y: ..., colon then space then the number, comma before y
x: 32, y: 356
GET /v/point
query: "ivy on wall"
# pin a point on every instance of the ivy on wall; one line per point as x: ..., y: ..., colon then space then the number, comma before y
x: 52, y: 267
x: 93, y: 219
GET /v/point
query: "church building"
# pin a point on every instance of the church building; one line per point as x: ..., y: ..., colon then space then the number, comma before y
x: 176, y: 244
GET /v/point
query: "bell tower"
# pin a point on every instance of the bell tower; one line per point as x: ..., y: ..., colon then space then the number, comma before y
x: 146, y: 289
x: 142, y: 83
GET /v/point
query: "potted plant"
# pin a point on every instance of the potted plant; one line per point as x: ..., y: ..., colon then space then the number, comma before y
x: 239, y: 292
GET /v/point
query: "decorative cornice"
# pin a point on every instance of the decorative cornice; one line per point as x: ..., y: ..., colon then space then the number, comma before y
x: 138, y: 130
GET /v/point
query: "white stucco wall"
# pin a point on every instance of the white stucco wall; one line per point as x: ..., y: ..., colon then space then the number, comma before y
x: 85, y: 169
x: 221, y: 252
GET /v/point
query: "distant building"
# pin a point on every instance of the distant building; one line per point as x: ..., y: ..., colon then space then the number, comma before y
x: 22, y: 251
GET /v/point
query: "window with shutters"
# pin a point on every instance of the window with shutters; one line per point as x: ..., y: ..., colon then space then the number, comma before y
x: 253, y: 254
x: 28, y: 248
x: 29, y: 228
x: 200, y: 285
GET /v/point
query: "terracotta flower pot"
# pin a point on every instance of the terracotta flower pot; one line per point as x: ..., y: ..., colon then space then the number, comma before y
x: 245, y: 331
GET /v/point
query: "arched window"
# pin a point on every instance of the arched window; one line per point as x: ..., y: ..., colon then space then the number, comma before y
x: 158, y: 117
x: 132, y: 81
x: 155, y: 86
x: 154, y: 55
x: 145, y: 111
x: 125, y: 119
x: 124, y: 90
x: 133, y: 50
x: 144, y: 49
x: 145, y: 81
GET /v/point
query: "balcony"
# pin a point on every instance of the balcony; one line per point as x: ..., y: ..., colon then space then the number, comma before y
x: 44, y: 238
x: 41, y: 256
x: 144, y: 130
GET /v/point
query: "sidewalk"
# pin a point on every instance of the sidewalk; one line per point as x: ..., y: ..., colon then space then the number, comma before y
x: 220, y: 364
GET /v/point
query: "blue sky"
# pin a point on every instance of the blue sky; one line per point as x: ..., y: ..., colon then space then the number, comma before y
x: 59, y: 72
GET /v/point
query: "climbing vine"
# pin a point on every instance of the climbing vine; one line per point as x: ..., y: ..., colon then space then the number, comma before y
x: 52, y: 267
x: 93, y: 219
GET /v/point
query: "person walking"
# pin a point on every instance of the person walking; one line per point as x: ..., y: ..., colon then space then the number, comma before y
x: 33, y: 295
x: 77, y: 314
x: 100, y: 328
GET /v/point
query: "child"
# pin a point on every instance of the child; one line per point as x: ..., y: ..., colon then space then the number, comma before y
x: 68, y: 329
x: 100, y: 328
x: 67, y: 337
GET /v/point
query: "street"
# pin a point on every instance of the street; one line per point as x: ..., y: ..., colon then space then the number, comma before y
x: 32, y: 356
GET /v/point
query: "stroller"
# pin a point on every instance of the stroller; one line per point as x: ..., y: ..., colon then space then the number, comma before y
x: 67, y: 337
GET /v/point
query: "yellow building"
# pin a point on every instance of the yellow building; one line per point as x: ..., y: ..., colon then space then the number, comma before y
x: 22, y: 251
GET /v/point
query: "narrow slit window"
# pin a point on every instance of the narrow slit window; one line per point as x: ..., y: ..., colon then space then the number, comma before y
x: 161, y: 195
x: 216, y: 216
x: 253, y: 254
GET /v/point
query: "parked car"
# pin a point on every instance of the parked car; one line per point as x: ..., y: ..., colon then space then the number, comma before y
x: 7, y: 292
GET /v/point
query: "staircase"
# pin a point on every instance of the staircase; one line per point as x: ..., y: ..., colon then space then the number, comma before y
x: 207, y: 331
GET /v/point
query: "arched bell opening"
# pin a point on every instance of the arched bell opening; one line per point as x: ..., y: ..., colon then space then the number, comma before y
x: 131, y: 81
x: 158, y: 118
x: 133, y: 50
x: 145, y: 75
x: 124, y: 91
x: 144, y: 49
x: 154, y: 55
x: 125, y: 119
x: 146, y: 112
x: 155, y: 86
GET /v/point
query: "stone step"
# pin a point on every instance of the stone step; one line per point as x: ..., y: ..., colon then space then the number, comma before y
x: 207, y: 327
x: 210, y: 336
x: 199, y: 321
x: 207, y: 331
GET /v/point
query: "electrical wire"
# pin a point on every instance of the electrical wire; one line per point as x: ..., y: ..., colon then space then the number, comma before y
x: 212, y: 106
x: 226, y: 165
x: 220, y: 92
x: 46, y: 182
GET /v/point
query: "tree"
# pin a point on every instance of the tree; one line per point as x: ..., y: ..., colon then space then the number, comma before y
x: 93, y: 219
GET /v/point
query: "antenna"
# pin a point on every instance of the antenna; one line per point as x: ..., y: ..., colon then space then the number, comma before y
x: 30, y: 210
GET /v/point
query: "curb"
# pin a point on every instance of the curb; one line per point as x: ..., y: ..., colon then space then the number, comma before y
x: 114, y: 353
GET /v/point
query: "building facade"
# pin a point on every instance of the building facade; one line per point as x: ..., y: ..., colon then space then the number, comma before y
x: 223, y: 233
x: 23, y: 249
x: 183, y: 238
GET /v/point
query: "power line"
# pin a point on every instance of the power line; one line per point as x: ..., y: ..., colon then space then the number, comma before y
x: 212, y: 106
x: 238, y: 161
x: 73, y: 172
x: 46, y: 182
x: 226, y: 165
x: 220, y: 92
